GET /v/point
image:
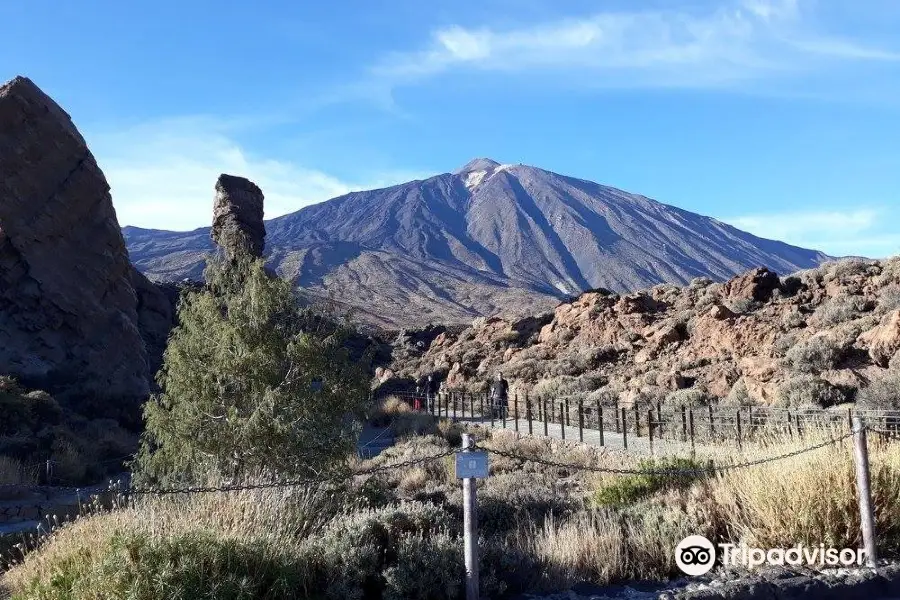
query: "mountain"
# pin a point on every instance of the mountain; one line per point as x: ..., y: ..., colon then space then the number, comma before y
x: 489, y: 238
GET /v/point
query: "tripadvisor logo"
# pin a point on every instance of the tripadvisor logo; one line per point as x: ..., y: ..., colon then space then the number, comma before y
x: 696, y: 555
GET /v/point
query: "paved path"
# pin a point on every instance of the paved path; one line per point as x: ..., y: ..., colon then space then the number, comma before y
x: 373, y: 440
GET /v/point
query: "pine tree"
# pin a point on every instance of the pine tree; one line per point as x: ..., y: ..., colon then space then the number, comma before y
x: 252, y: 384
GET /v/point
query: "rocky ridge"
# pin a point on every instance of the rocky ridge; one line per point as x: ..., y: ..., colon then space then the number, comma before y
x: 818, y: 338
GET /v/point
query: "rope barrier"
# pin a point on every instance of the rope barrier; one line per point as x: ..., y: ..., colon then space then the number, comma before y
x: 712, y: 469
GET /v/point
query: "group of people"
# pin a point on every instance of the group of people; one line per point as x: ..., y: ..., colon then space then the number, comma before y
x: 431, y: 386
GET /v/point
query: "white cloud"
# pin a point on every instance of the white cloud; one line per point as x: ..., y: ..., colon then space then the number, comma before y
x: 837, y: 232
x: 163, y: 174
x: 733, y: 42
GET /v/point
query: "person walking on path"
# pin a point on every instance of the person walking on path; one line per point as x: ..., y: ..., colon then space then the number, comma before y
x: 500, y: 395
x: 431, y: 390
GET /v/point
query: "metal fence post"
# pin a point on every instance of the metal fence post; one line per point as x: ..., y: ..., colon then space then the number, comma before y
x: 528, y: 413
x: 650, y: 429
x: 693, y: 445
x: 516, y: 410
x: 544, y: 404
x: 866, y: 514
x: 637, y: 420
x: 712, y: 425
x: 600, y: 421
x: 562, y: 421
x: 684, y: 436
x: 568, y: 412
x: 580, y: 421
x: 624, y: 428
x: 738, y: 423
x: 470, y: 528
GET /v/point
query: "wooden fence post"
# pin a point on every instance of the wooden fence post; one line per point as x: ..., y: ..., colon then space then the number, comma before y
x: 866, y: 514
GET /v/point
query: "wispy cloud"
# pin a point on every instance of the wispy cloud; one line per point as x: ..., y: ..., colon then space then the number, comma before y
x: 736, y: 42
x: 837, y: 232
x: 162, y: 174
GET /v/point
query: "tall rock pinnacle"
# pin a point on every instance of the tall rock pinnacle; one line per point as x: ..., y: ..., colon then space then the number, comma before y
x: 238, y: 217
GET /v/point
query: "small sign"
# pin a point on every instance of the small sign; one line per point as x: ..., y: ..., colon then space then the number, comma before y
x: 471, y: 465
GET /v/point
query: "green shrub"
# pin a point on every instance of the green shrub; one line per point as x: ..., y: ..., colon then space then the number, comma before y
x: 739, y: 395
x: 808, y: 391
x: 688, y: 397
x: 197, y: 566
x: 882, y: 394
x: 889, y: 298
x: 839, y: 309
x: 814, y: 355
x: 251, y: 383
x: 629, y: 489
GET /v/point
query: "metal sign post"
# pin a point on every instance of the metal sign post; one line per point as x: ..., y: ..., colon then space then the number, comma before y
x: 469, y: 467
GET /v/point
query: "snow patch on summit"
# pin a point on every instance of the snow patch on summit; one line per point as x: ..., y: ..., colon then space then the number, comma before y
x: 475, y: 178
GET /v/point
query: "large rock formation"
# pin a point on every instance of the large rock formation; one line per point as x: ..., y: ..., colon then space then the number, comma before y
x: 238, y: 217
x: 68, y: 318
x: 826, y: 335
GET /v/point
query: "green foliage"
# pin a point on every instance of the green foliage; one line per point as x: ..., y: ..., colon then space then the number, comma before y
x: 882, y: 394
x: 251, y: 383
x: 628, y: 489
x: 34, y: 428
x: 814, y: 355
x: 808, y: 391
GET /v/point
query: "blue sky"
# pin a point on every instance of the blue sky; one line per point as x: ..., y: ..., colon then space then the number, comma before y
x: 779, y: 116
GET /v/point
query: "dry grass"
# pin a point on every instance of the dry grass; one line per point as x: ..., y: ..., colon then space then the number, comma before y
x: 540, y: 530
x: 15, y: 473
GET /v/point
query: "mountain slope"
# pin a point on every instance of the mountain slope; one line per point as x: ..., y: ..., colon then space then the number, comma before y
x: 488, y: 238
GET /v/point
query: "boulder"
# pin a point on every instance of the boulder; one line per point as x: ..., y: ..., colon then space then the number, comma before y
x: 156, y: 317
x: 756, y: 285
x: 68, y: 310
x: 238, y: 217
x: 883, y: 340
x: 638, y: 302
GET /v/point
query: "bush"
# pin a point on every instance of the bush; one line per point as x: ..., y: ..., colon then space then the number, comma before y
x: 808, y: 391
x: 881, y: 394
x: 839, y: 309
x: 743, y: 306
x: 843, y: 269
x: 814, y: 355
x: 739, y: 395
x: 688, y: 397
x: 629, y: 489
x: 251, y: 383
x: 889, y: 298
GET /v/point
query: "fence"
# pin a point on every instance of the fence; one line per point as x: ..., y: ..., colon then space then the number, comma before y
x: 687, y: 424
